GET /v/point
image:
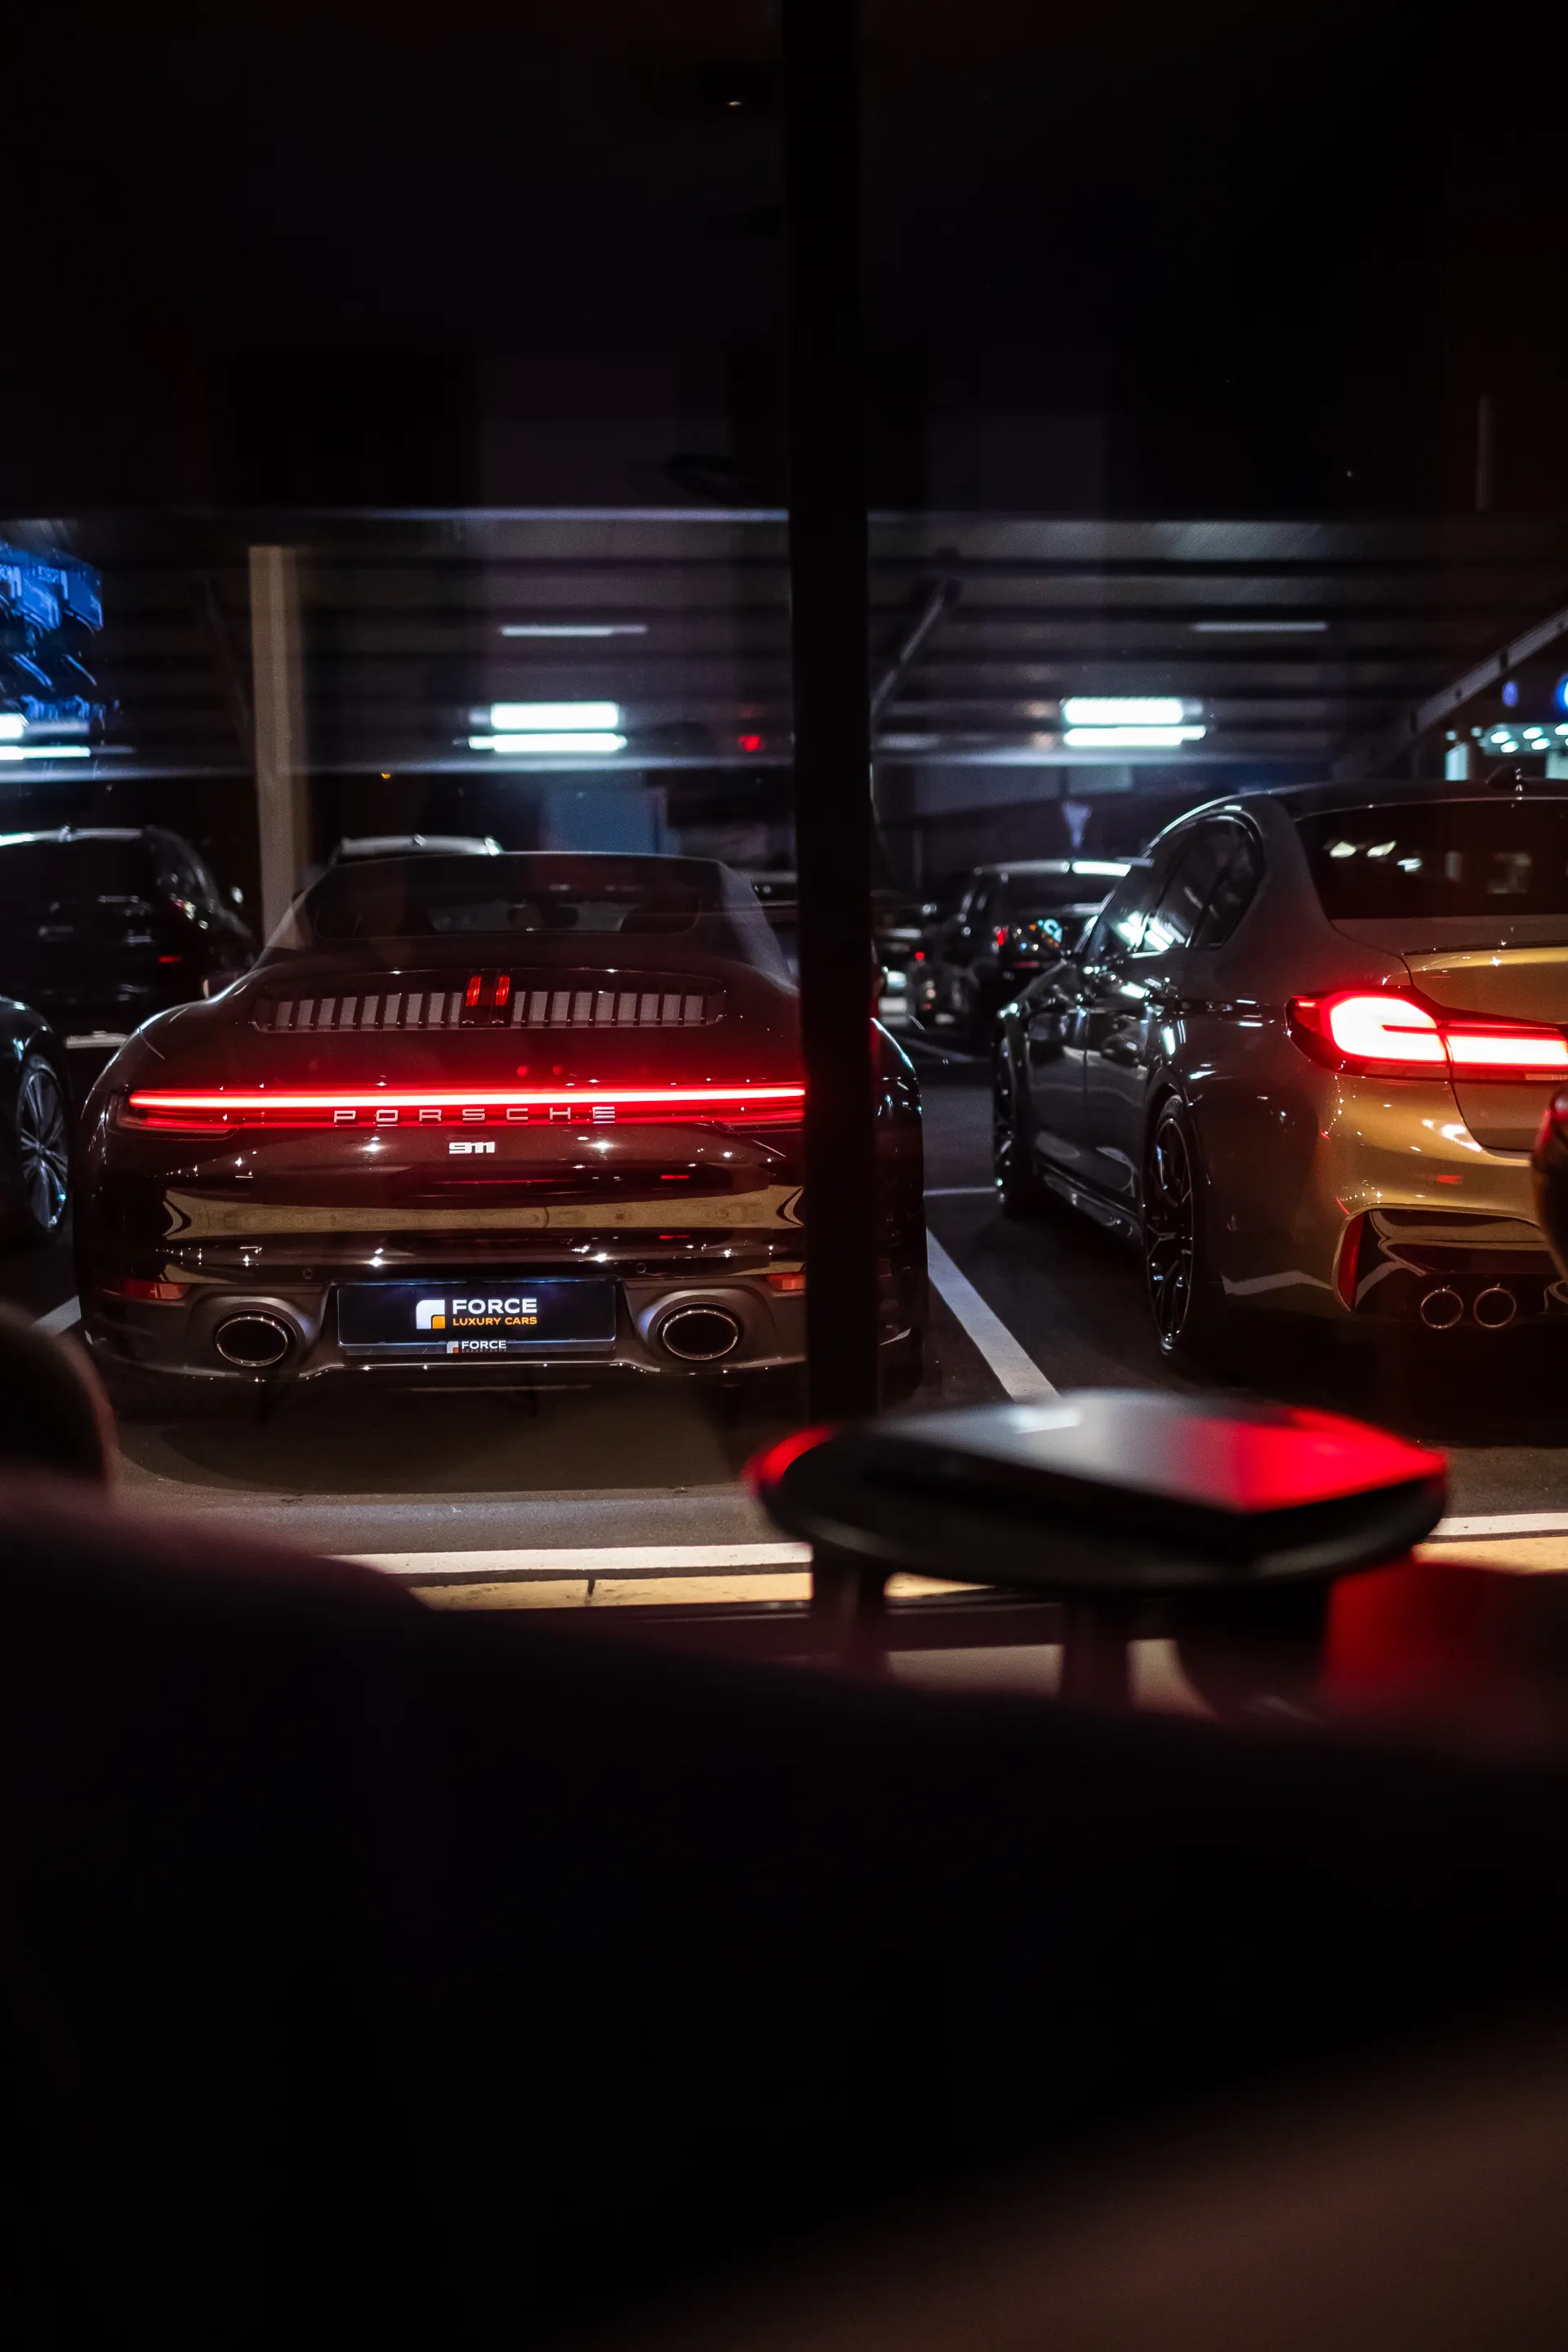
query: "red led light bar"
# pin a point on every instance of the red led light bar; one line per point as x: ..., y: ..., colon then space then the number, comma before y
x: 196, y: 1108
x: 1382, y: 1033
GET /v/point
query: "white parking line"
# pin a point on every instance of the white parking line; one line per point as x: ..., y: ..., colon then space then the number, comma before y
x: 959, y: 1191
x: 1505, y: 1523
x: 1013, y: 1367
x: 591, y: 1559
x: 60, y: 1318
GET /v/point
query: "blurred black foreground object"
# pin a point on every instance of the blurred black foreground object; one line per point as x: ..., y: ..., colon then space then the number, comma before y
x: 1141, y: 1512
x: 53, y: 1416
x: 410, y: 1978
x: 1417, y: 2206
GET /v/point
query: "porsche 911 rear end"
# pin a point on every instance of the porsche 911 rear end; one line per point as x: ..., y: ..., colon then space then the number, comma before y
x: 544, y: 1121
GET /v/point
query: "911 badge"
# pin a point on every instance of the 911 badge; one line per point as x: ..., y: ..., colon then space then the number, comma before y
x: 469, y: 1144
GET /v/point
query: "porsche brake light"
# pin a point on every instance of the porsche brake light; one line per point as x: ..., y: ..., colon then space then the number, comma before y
x: 1383, y: 1033
x: 201, y: 1110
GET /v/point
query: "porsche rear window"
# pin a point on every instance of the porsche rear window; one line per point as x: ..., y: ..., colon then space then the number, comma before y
x: 1439, y: 857
x: 505, y: 897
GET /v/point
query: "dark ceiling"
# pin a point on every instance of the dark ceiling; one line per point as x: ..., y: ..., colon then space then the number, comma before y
x: 1300, y: 640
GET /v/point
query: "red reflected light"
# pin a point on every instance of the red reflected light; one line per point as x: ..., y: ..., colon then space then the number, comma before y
x: 765, y: 1469
x: 471, y: 993
x: 147, y: 1294
x: 747, y: 742
x: 171, y: 959
x: 787, y: 1282
x: 503, y: 989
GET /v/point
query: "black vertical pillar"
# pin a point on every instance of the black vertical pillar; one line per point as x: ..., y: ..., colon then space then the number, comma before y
x: 832, y: 720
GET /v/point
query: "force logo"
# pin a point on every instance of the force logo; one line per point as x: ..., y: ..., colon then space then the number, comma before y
x: 430, y: 1313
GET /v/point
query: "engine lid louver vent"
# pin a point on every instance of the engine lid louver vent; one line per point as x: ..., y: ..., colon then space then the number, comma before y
x: 535, y: 1000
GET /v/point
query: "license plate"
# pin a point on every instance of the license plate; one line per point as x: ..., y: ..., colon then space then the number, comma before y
x: 515, y: 1314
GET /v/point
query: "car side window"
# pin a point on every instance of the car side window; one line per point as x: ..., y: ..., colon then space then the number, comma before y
x: 1118, y: 926
x: 1200, y: 860
x: 1234, y: 888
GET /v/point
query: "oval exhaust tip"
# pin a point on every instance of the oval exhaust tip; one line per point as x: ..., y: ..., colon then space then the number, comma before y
x: 1495, y: 1308
x: 700, y: 1335
x: 253, y: 1343
x: 1441, y: 1309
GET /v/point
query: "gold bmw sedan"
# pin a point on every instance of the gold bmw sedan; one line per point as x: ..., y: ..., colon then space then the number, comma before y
x: 1302, y: 1055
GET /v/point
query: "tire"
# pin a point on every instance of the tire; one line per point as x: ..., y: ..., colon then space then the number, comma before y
x: 1019, y: 1190
x: 903, y: 1367
x: 1177, y: 1283
x: 41, y: 1153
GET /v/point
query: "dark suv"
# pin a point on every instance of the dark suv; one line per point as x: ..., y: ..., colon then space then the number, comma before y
x: 101, y: 927
x: 1011, y: 921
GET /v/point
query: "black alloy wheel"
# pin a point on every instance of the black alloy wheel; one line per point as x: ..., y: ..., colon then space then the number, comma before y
x: 1172, y: 1254
x: 41, y: 1137
x: 1018, y: 1188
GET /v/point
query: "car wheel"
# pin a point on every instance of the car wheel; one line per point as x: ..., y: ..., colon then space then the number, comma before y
x: 903, y: 1366
x: 40, y: 1143
x: 1018, y: 1188
x: 1175, y: 1273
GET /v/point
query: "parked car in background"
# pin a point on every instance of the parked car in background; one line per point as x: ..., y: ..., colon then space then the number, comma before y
x: 1302, y: 1057
x: 540, y: 1116
x: 898, y: 927
x: 35, y: 1127
x: 102, y: 926
x: 1000, y: 935
x: 416, y: 844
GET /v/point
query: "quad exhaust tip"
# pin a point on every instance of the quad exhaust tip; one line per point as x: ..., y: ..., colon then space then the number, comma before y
x: 254, y: 1343
x: 700, y: 1335
x: 1493, y: 1309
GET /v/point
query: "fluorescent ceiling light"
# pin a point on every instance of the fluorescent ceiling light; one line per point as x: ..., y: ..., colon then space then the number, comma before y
x: 1123, y: 711
x: 521, y: 717
x: 45, y: 751
x: 573, y: 628
x: 1258, y: 628
x: 573, y: 739
x: 1130, y: 738
x: 11, y: 725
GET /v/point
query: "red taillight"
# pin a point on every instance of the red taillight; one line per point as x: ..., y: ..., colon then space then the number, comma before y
x: 471, y: 993
x: 147, y: 1294
x: 1386, y: 1034
x: 503, y: 991
x: 194, y: 1110
x: 786, y: 1281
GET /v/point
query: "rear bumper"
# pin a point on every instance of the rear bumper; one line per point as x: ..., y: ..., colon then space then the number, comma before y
x: 1369, y: 1200
x: 758, y: 1328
